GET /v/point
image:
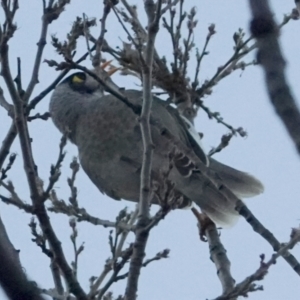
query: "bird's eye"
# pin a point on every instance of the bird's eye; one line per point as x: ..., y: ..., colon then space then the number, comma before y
x: 78, y: 78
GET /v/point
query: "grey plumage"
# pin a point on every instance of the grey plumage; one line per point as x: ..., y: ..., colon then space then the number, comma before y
x: 107, y: 134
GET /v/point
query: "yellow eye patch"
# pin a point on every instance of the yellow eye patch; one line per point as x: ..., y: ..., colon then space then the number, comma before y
x: 77, y: 79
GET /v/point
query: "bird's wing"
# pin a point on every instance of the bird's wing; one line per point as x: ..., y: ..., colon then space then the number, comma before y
x: 187, y: 130
x: 173, y: 121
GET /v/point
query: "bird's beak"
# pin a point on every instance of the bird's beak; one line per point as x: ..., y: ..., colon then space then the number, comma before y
x: 105, y: 64
x: 112, y: 69
x: 106, y: 75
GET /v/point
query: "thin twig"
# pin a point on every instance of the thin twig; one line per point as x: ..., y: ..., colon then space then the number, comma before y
x: 137, y: 47
x: 158, y: 256
x: 240, y: 51
x: 59, y: 206
x: 125, y: 233
x: 211, y: 32
x: 7, y: 142
x: 15, y: 200
x: 46, y: 91
x: 38, y: 57
x: 55, y: 169
x: 116, y: 254
x: 169, y: 6
x: 7, y: 106
x: 225, y: 139
x: 117, y: 268
x: 77, y: 250
x: 87, y: 35
x: 219, y: 119
x: 99, y: 43
x: 18, y: 79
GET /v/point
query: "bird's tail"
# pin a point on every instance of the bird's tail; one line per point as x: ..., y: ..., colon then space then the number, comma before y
x: 218, y: 206
x: 242, y: 184
x: 219, y: 196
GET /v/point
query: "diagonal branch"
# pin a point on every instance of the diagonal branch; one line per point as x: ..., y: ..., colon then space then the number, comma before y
x: 38, y: 58
x: 7, y: 142
x: 12, y: 276
x: 267, y: 235
x: 248, y: 285
x: 265, y: 30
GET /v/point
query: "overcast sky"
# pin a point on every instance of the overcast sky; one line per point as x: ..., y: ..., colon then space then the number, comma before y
x: 241, y: 98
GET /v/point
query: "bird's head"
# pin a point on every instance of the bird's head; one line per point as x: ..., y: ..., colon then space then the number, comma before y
x: 84, y: 83
x: 71, y: 97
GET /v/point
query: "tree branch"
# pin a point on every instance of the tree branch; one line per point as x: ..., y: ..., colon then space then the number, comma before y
x: 38, y: 57
x: 33, y: 181
x: 12, y: 277
x: 266, y: 234
x: 217, y: 251
x: 153, y: 13
x: 7, y: 142
x: 265, y: 30
x: 248, y: 285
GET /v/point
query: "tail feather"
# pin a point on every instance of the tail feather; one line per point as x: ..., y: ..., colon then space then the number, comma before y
x: 218, y: 200
x: 242, y: 184
x: 218, y: 207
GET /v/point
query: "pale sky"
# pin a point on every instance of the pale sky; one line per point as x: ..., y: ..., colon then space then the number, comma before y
x: 267, y: 153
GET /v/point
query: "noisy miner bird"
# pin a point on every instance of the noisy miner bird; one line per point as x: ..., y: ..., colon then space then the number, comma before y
x: 108, y: 136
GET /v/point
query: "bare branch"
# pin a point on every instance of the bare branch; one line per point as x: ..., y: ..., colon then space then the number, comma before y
x: 46, y: 20
x: 117, y: 251
x: 137, y: 46
x: 107, y: 5
x: 34, y: 181
x: 45, y: 92
x: 258, y: 227
x: 77, y: 250
x: 45, y: 116
x: 169, y: 6
x: 8, y: 107
x: 219, y: 119
x: 59, y: 206
x: 223, y: 144
x: 125, y: 256
x: 248, y: 285
x: 32, y: 104
x: 12, y: 277
x: 241, y: 50
x: 199, y: 57
x: 56, y: 278
x: 153, y: 13
x: 14, y: 199
x: 217, y: 251
x: 55, y: 169
x: 160, y: 255
x: 265, y: 30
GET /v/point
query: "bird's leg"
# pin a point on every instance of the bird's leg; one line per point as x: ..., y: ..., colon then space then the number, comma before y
x: 203, y: 223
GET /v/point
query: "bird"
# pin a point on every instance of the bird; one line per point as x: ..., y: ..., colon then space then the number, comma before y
x: 107, y: 134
